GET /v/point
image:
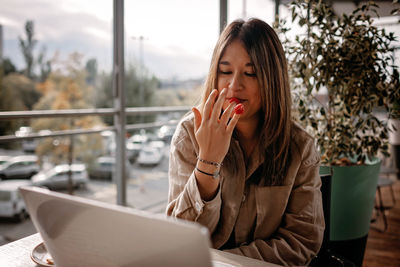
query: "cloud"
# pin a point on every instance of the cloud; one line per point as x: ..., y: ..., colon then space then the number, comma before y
x: 173, y: 61
x: 180, y: 34
x: 69, y: 26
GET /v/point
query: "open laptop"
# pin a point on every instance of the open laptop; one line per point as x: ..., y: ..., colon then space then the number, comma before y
x: 83, y: 232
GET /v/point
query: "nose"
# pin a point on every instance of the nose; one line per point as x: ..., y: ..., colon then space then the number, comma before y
x: 235, y: 82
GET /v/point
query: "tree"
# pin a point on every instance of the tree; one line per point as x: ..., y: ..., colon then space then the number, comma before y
x: 104, y: 94
x: 8, y: 67
x: 17, y: 92
x: 66, y: 88
x: 44, y: 65
x: 351, y: 59
x: 91, y: 69
x: 139, y: 92
x: 27, y: 46
x: 177, y: 97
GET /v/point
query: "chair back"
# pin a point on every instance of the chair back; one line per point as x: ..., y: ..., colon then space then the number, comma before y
x: 325, y: 257
x: 326, y: 180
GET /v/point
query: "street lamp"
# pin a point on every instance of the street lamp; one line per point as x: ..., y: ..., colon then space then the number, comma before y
x: 140, y: 39
x: 141, y: 70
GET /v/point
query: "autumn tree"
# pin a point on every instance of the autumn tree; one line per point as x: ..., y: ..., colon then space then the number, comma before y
x: 66, y: 88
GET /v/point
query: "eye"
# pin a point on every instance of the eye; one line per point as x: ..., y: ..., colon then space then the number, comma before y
x: 225, y: 72
x: 250, y: 74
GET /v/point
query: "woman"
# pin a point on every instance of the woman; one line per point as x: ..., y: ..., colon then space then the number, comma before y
x: 239, y: 165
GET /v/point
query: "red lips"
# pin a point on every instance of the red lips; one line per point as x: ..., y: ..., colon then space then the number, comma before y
x: 239, y: 109
x: 234, y: 99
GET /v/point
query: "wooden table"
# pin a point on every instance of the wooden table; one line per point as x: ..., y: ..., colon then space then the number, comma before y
x: 17, y: 254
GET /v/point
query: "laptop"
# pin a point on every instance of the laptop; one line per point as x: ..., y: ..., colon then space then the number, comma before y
x: 82, y: 232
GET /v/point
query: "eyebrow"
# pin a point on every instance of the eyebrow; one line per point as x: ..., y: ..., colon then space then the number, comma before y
x: 227, y: 63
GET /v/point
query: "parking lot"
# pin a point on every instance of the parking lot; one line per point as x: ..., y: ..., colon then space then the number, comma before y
x: 147, y: 189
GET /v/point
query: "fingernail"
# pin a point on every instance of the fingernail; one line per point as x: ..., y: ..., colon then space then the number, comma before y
x: 239, y: 109
x: 234, y: 99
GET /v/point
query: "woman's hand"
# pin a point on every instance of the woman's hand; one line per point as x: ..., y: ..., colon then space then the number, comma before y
x: 213, y: 131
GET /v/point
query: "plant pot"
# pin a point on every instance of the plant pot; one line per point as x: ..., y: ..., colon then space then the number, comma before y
x: 352, y: 201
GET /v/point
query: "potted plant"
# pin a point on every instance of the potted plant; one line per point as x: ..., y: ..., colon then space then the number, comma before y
x: 344, y: 84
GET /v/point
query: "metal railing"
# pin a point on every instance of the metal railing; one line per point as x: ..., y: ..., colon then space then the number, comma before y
x: 119, y: 112
x: 121, y: 190
x: 35, y: 114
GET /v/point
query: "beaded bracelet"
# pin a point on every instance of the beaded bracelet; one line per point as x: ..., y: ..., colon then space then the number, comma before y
x: 210, y: 162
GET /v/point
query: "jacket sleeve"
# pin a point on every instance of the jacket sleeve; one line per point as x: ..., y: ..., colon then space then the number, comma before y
x: 184, y: 200
x: 299, y: 237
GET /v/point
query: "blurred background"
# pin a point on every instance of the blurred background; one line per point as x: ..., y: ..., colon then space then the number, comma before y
x: 58, y: 55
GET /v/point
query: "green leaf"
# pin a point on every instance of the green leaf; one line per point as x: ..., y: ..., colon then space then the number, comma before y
x: 351, y: 58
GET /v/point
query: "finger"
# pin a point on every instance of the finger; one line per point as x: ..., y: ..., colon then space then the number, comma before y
x: 197, y: 118
x: 232, y: 123
x: 208, y: 106
x: 227, y: 113
x: 216, y: 112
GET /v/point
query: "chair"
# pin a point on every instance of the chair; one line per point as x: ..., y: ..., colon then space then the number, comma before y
x: 380, y: 207
x: 325, y: 257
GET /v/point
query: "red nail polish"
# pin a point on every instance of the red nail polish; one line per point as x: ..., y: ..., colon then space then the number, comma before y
x: 239, y: 109
x: 234, y: 99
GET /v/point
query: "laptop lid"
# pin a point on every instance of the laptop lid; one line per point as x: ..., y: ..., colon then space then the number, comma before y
x: 83, y: 232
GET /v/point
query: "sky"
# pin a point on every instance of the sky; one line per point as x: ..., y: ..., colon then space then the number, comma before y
x: 178, y: 35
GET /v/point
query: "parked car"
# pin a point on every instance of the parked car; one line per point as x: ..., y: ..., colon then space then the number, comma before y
x: 150, y: 156
x: 166, y: 132
x: 22, y: 167
x: 104, y: 168
x: 134, y: 145
x: 28, y: 145
x: 4, y: 159
x: 109, y: 144
x: 57, y: 177
x: 11, y: 202
x: 157, y: 144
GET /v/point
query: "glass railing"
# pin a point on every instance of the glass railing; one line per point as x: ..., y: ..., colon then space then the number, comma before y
x: 146, y: 152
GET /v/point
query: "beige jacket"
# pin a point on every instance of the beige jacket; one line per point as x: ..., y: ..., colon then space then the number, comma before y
x: 279, y: 224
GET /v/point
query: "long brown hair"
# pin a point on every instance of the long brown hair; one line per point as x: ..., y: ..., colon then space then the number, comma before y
x: 266, y: 53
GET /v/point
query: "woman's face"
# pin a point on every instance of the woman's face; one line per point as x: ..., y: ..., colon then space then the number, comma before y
x: 236, y: 72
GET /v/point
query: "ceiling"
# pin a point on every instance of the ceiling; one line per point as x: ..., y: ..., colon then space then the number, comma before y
x: 347, y: 6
